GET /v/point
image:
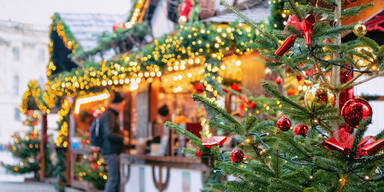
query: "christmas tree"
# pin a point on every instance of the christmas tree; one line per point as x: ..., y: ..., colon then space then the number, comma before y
x: 27, y: 148
x: 326, y: 150
x: 93, y: 169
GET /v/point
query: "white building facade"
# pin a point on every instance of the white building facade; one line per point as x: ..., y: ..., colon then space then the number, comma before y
x: 23, y: 57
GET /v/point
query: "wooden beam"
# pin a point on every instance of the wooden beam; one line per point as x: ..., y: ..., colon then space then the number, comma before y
x: 43, y: 145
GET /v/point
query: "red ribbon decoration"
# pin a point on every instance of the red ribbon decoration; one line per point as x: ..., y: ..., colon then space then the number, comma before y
x: 307, y: 26
x: 295, y: 22
x: 213, y: 141
x: 342, y: 141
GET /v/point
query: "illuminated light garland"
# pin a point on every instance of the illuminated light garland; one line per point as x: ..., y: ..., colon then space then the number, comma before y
x: 58, y: 26
x: 84, y: 100
x: 138, y: 12
x: 62, y: 122
x: 35, y: 95
x: 162, y: 52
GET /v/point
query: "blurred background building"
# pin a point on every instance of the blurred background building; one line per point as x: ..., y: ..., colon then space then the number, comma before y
x: 23, y: 56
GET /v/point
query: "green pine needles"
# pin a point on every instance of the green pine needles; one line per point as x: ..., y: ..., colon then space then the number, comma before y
x: 278, y: 160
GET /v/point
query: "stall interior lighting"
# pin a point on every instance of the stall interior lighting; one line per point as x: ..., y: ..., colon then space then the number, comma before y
x: 88, y: 100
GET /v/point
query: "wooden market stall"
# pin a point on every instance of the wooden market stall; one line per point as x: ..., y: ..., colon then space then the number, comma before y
x: 84, y: 74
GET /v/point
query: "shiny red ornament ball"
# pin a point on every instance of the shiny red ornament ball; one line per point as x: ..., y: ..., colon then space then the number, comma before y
x: 237, y: 156
x: 300, y: 129
x: 279, y: 80
x: 94, y: 165
x: 355, y: 110
x: 284, y: 124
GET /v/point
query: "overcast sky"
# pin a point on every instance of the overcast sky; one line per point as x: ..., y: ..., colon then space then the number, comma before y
x: 38, y: 12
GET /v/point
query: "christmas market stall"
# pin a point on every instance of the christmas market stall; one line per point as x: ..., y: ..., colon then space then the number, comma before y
x: 157, y: 78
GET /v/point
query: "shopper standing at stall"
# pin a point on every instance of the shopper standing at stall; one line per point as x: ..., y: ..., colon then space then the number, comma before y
x: 112, y: 143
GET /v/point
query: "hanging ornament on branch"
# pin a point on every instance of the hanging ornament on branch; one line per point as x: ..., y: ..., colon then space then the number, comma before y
x: 300, y: 129
x: 356, y: 110
x: 359, y: 29
x: 284, y: 124
x: 319, y: 96
x: 237, y: 156
x: 279, y: 80
x: 287, y: 44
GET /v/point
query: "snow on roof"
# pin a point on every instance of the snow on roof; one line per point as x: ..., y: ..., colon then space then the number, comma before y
x: 257, y: 14
x: 86, y: 28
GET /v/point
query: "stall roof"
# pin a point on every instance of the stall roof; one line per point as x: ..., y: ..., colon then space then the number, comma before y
x: 87, y: 28
x: 376, y: 22
x: 257, y: 14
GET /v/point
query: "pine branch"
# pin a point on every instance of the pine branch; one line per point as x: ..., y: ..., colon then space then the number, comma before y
x: 296, y: 10
x: 288, y: 186
x: 359, y: 135
x: 268, y: 87
x: 217, y: 109
x: 294, y: 144
x: 194, y: 139
x: 219, y: 126
x: 250, y: 22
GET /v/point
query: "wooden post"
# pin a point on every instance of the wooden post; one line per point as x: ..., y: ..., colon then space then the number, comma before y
x: 43, y: 145
x: 336, y: 69
x: 127, y: 114
x: 335, y: 80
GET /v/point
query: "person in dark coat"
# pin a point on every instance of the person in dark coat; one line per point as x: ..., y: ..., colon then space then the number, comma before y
x: 112, y: 142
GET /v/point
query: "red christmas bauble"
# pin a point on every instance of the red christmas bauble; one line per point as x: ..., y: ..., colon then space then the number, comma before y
x: 278, y: 80
x: 235, y: 87
x: 251, y: 105
x: 355, y: 110
x: 237, y: 156
x: 199, y: 87
x: 284, y: 124
x: 300, y: 129
x: 198, y: 153
x: 94, y: 165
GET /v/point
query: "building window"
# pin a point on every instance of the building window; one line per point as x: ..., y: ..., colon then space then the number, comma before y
x: 16, y: 85
x: 16, y: 54
x: 17, y: 114
x: 41, y: 56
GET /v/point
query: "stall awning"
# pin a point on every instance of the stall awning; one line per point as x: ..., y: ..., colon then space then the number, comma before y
x: 376, y: 22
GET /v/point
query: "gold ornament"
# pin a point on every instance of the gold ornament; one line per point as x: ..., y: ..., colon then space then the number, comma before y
x: 360, y: 29
x: 317, y: 96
